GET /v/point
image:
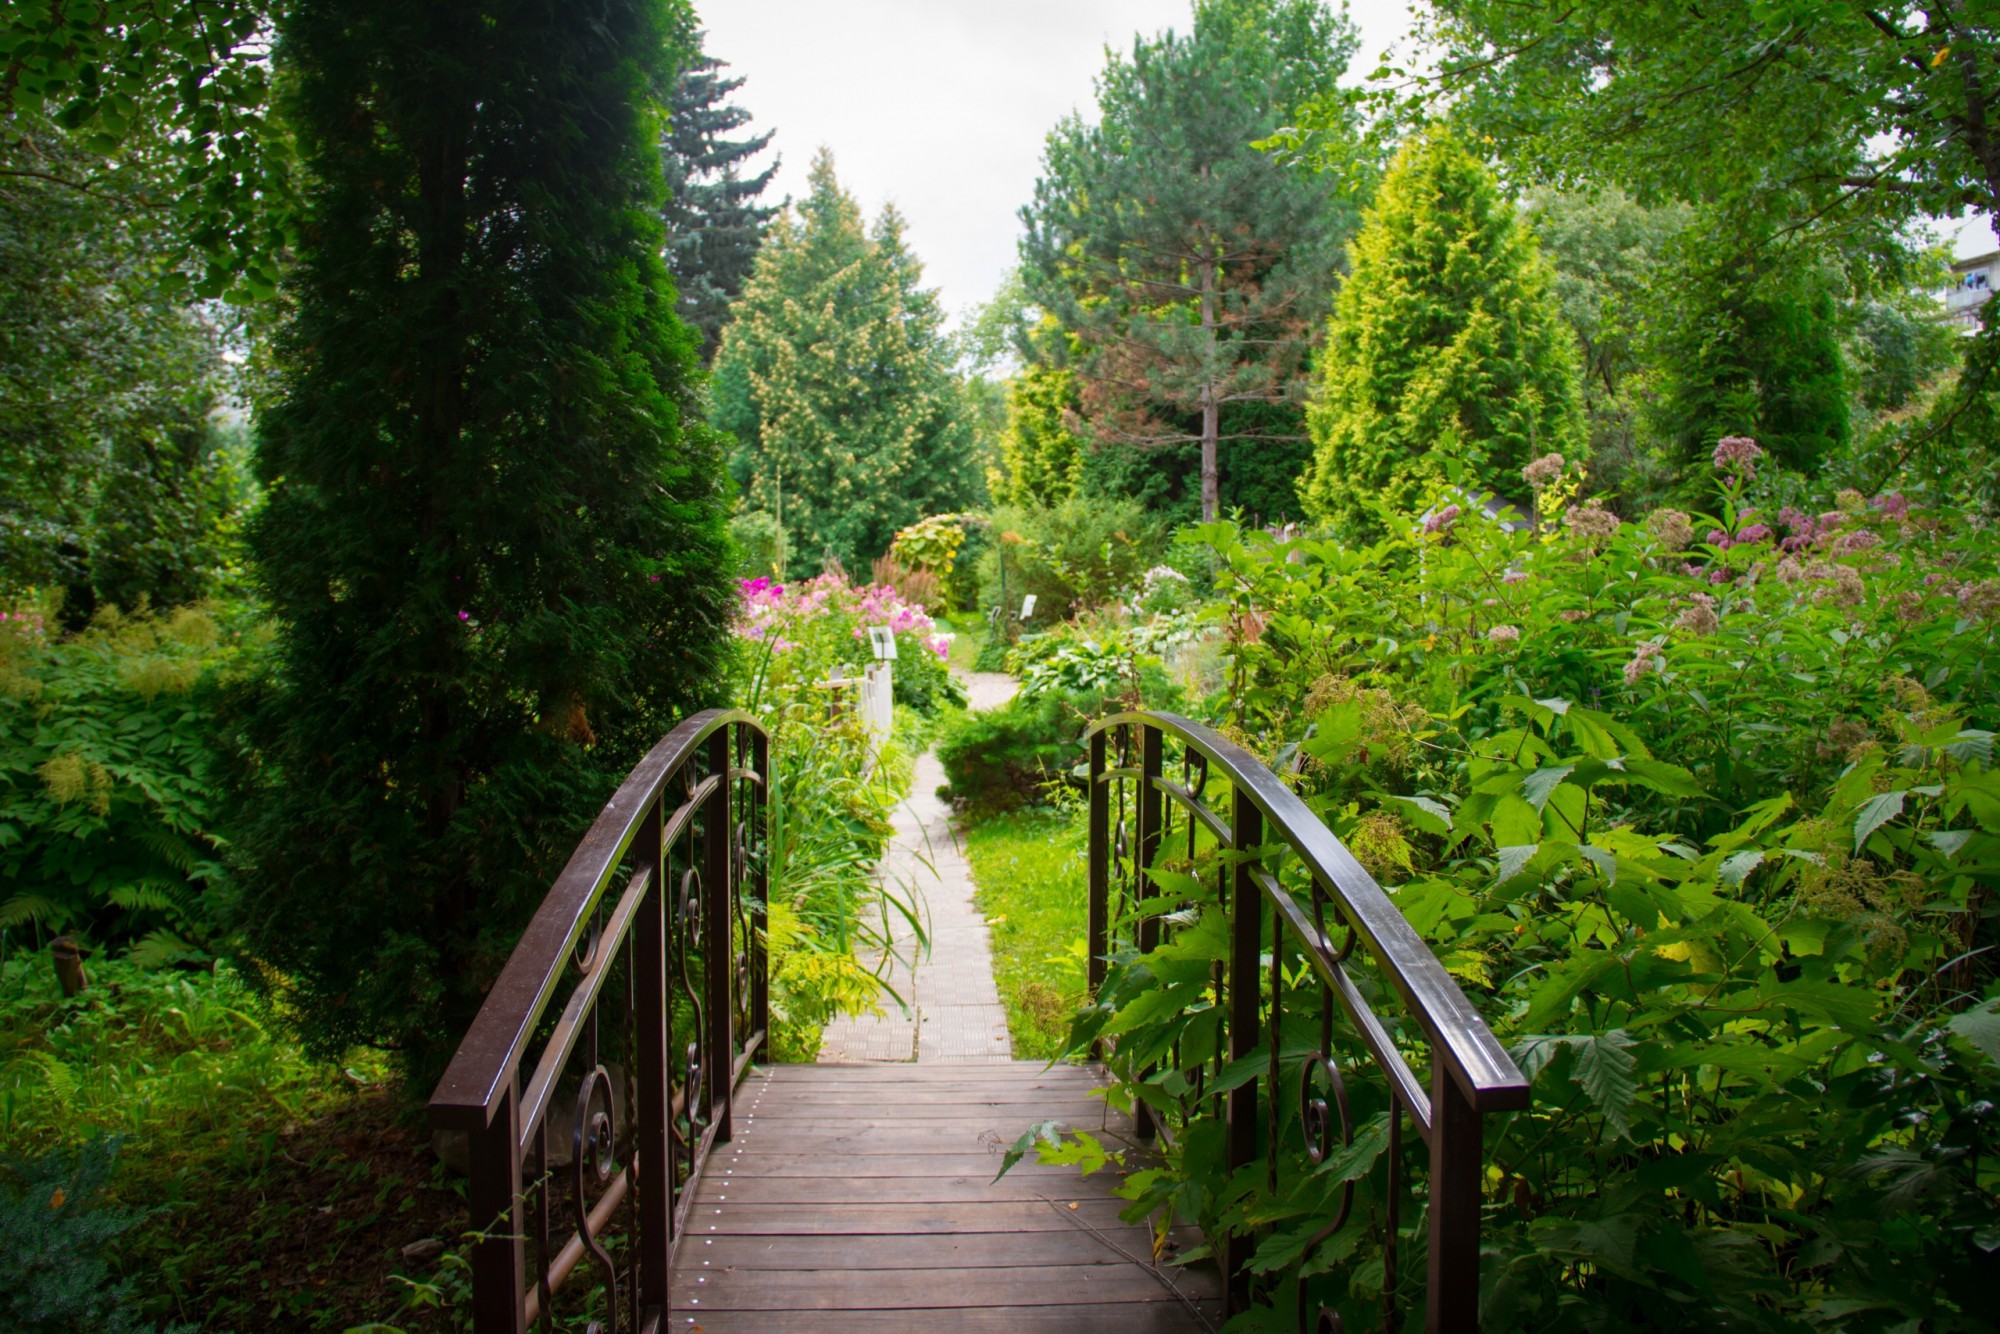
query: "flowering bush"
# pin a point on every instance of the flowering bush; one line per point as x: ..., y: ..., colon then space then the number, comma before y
x: 1707, y: 829
x: 801, y: 634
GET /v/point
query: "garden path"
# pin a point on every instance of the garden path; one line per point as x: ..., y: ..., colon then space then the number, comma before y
x: 953, y: 1008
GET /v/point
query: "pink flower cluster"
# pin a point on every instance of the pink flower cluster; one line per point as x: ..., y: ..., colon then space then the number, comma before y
x: 765, y: 608
x: 1737, y: 454
x: 1442, y: 520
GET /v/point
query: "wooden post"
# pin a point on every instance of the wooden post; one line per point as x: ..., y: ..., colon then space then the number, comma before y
x: 1451, y: 1280
x: 493, y: 1198
x: 760, y: 831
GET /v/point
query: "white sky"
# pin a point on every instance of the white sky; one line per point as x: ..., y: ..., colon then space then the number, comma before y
x: 941, y: 106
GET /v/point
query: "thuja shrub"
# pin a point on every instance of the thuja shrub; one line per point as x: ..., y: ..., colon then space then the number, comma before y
x: 494, y: 544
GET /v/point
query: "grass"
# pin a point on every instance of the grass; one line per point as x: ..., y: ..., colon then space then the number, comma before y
x: 968, y: 631
x: 1029, y: 867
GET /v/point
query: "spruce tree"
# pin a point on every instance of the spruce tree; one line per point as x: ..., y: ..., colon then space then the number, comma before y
x: 493, y: 544
x: 714, y: 222
x: 1447, y: 357
x: 836, y: 379
x: 1191, y: 271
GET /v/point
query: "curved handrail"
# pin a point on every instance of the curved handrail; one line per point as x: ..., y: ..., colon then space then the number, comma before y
x: 1471, y: 1074
x: 1477, y: 1061
x: 493, y: 1046
x: 689, y: 1012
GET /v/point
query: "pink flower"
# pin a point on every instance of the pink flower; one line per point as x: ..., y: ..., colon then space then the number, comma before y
x: 1514, y: 577
x: 1645, y: 659
x: 1441, y: 520
x: 1893, y: 505
x: 1737, y: 454
x: 1756, y: 532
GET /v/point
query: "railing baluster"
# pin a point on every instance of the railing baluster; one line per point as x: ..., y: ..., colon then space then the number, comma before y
x: 760, y: 967
x: 1100, y: 864
x: 652, y: 1134
x: 1152, y: 752
x: 718, y: 949
x: 1246, y: 908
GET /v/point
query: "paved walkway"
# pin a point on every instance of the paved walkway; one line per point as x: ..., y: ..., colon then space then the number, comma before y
x: 953, y: 1009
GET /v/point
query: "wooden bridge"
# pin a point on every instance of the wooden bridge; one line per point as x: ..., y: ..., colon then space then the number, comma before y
x: 626, y: 1032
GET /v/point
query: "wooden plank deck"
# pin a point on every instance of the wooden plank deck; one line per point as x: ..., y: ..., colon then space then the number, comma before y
x: 861, y: 1197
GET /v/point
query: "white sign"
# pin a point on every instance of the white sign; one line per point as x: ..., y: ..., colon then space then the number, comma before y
x: 1027, y: 606
x: 883, y: 640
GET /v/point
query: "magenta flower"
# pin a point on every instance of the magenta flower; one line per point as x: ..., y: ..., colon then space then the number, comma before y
x: 1441, y: 520
x: 1737, y: 454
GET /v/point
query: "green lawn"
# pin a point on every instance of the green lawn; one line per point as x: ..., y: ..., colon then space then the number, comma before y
x: 1029, y: 866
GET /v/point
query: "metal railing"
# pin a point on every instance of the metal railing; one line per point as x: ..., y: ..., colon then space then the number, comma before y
x: 1282, y: 943
x: 587, y: 1126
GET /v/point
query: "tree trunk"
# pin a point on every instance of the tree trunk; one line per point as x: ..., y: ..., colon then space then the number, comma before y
x: 1211, y: 412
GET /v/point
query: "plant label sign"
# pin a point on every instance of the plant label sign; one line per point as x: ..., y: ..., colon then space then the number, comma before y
x: 883, y: 640
x: 1027, y: 606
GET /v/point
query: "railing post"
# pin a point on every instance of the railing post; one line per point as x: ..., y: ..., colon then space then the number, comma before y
x: 718, y: 951
x: 1152, y: 761
x: 1100, y: 864
x: 493, y: 1198
x: 1246, y: 908
x: 1451, y: 1282
x: 653, y: 1112
x: 760, y: 879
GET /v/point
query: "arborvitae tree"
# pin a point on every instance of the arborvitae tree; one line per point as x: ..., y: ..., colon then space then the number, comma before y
x: 1040, y: 452
x: 493, y: 547
x: 1448, y: 357
x: 714, y: 222
x: 836, y: 379
x: 1735, y: 351
x: 1190, y: 270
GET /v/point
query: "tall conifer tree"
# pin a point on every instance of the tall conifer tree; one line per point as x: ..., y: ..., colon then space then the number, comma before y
x: 1190, y: 271
x: 493, y: 545
x: 1448, y: 356
x: 714, y: 222
x: 836, y: 378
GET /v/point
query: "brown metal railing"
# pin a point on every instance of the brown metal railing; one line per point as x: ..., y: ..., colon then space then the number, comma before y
x: 590, y: 1124
x: 1268, y: 838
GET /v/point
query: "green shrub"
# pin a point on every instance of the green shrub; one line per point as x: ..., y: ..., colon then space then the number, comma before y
x: 55, y: 1226
x: 1080, y: 553
x: 1005, y: 757
x: 109, y: 776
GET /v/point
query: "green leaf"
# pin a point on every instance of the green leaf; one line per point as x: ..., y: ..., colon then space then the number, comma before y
x: 1737, y: 866
x: 1425, y: 813
x: 1537, y: 785
x: 1605, y: 1070
x: 1042, y: 1132
x: 1875, y: 812
x: 1981, y: 1028
x: 1511, y: 860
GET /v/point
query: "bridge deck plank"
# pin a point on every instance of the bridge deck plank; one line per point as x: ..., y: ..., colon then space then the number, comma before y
x: 863, y: 1197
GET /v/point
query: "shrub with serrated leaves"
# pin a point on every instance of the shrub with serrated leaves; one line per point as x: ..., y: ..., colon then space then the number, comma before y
x: 1708, y: 832
x: 108, y: 787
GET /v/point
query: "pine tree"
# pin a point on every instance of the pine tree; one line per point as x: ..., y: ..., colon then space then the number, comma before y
x: 714, y: 222
x: 836, y: 379
x: 1192, y: 270
x: 492, y: 545
x: 1447, y: 358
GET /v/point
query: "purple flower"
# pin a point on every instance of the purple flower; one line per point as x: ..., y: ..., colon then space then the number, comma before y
x: 465, y: 616
x: 1756, y: 532
x: 1717, y: 538
x: 1894, y: 505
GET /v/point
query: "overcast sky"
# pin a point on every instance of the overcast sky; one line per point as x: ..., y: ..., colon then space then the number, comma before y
x: 941, y: 105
